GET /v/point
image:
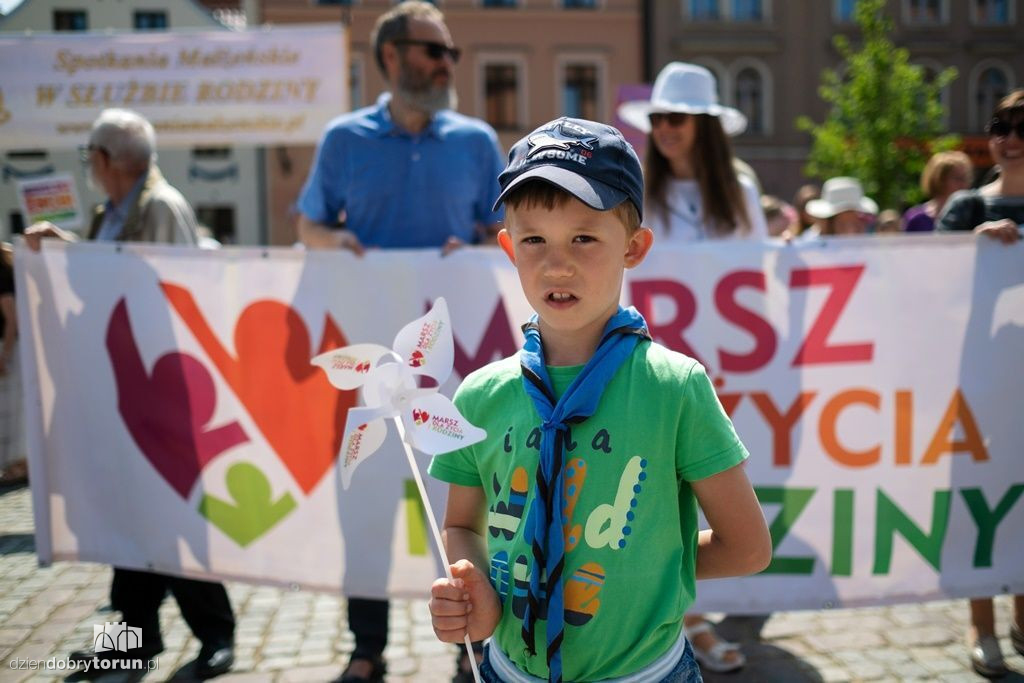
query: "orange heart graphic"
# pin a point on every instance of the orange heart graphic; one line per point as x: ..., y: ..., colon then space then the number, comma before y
x: 299, y: 413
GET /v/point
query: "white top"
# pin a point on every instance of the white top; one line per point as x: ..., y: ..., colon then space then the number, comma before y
x: 686, y: 216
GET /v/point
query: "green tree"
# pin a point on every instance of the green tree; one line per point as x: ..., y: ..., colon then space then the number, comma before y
x: 885, y: 118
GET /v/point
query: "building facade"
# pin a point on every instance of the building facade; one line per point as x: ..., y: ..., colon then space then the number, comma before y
x: 523, y: 62
x: 768, y: 56
x: 223, y: 184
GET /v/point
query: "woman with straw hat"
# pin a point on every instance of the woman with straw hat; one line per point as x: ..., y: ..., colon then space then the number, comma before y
x: 693, y: 191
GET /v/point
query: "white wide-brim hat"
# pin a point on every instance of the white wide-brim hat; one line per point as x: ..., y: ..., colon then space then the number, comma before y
x: 686, y: 88
x: 838, y: 195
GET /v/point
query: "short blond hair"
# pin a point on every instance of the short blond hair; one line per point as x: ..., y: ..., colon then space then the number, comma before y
x: 937, y: 170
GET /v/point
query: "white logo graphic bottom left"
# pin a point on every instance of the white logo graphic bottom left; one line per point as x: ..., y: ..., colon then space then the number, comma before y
x: 117, y: 636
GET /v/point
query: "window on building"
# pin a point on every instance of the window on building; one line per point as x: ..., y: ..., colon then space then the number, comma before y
x: 220, y: 220
x: 501, y: 96
x: 16, y: 223
x: 924, y: 11
x: 150, y: 20
x: 500, y: 3
x: 355, y: 83
x: 843, y: 10
x: 991, y: 11
x: 747, y: 10
x: 579, y: 4
x: 211, y: 152
x: 37, y: 154
x: 750, y: 98
x: 931, y: 72
x: 992, y: 86
x: 704, y: 10
x: 579, y: 92
x: 70, y: 20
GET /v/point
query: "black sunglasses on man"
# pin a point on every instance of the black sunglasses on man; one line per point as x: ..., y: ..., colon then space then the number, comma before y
x: 434, y: 49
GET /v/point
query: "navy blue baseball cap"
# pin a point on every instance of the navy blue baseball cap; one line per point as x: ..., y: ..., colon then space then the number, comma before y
x: 589, y: 160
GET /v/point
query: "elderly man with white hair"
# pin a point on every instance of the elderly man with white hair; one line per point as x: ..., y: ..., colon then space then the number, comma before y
x: 143, y: 207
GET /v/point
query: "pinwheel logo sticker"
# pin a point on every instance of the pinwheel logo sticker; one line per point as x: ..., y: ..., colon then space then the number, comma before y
x: 424, y: 419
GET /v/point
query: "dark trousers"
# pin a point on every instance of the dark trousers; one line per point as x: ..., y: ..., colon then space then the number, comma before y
x: 368, y: 621
x: 203, y: 604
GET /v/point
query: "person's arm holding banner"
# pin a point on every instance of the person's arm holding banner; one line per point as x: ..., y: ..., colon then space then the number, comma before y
x: 37, y: 231
x: 323, y: 200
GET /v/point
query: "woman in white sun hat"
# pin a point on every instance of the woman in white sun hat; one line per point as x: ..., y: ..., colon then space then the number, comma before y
x: 692, y: 190
x: 842, y: 208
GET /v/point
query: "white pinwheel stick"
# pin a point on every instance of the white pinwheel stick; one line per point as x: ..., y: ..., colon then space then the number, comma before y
x: 424, y: 419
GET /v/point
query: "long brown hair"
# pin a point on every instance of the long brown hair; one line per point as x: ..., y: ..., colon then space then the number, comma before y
x: 720, y: 192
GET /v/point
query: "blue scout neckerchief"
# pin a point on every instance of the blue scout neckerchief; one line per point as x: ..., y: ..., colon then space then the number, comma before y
x: 544, y: 523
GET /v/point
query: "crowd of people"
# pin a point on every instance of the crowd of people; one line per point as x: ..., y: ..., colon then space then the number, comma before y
x: 691, y: 188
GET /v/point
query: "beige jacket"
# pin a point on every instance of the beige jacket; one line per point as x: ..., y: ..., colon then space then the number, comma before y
x: 160, y: 214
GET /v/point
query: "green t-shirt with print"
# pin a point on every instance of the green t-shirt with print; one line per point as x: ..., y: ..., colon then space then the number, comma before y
x: 630, y: 515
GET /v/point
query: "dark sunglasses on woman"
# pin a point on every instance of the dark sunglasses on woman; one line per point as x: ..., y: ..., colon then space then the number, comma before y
x: 674, y: 119
x: 434, y: 49
x: 998, y: 128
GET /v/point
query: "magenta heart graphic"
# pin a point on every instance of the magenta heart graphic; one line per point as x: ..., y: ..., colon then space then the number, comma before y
x: 168, y: 411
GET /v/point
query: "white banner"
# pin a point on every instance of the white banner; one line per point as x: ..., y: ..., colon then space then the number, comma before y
x: 176, y: 423
x: 258, y: 87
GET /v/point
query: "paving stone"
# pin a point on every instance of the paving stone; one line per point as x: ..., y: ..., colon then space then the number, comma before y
x: 869, y: 671
x: 854, y: 640
x: 941, y: 665
x: 308, y: 674
x: 834, y: 675
x: 889, y: 655
x: 275, y: 663
x: 909, y: 670
x: 849, y: 623
x: 921, y: 636
x: 72, y: 611
x: 12, y: 635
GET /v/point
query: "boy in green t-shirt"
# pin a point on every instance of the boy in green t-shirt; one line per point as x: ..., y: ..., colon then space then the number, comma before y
x: 573, y: 527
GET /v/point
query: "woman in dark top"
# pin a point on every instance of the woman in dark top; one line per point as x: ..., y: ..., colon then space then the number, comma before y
x: 997, y: 211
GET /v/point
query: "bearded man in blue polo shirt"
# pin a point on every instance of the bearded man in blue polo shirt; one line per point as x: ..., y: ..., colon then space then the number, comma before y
x: 407, y: 172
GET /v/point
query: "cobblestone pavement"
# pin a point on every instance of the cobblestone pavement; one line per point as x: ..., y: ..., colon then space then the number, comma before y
x: 290, y: 637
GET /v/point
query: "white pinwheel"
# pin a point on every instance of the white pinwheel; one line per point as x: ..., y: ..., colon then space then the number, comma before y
x: 425, y: 419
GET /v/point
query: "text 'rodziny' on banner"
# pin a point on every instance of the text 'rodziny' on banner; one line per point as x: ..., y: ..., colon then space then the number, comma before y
x: 266, y: 86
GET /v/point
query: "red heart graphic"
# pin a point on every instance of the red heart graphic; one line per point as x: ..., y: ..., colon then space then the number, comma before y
x: 420, y: 416
x: 416, y: 360
x: 291, y: 401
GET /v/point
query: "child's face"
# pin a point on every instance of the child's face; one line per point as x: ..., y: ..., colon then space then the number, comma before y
x: 570, y: 261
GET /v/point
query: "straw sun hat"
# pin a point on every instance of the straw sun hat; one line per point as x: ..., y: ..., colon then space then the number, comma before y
x: 686, y: 88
